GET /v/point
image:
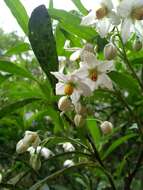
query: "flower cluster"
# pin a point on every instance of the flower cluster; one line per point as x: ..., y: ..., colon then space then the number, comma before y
x: 127, y: 15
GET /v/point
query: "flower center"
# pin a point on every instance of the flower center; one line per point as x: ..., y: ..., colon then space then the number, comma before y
x: 137, y: 13
x: 93, y: 75
x: 68, y: 89
x: 101, y: 12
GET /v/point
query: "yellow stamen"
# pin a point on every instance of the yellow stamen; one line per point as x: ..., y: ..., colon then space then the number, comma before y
x: 137, y: 13
x: 68, y: 89
x: 101, y: 12
x: 93, y: 75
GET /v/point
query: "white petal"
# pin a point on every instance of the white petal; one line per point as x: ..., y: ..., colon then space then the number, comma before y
x: 105, y: 82
x: 106, y: 66
x: 125, y: 8
x: 126, y: 29
x: 82, y: 72
x: 108, y: 4
x: 86, y: 91
x: 75, y: 96
x: 89, y: 19
x: 103, y: 27
x: 60, y: 76
x: 75, y: 56
x: 114, y: 18
x: 92, y: 84
x: 60, y: 88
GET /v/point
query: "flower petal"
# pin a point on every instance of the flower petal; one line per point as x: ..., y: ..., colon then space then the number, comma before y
x: 75, y: 56
x: 75, y: 96
x: 85, y: 89
x: 108, y: 4
x: 105, y: 82
x: 126, y: 29
x: 59, y: 88
x: 103, y: 27
x: 106, y: 66
x: 114, y: 18
x: 60, y: 76
x: 89, y: 19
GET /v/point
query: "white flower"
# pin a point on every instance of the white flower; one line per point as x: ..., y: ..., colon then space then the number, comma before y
x: 131, y: 12
x: 64, y: 104
x: 94, y: 73
x: 45, y: 152
x: 30, y: 139
x: 68, y: 147
x: 106, y: 127
x: 81, y: 52
x: 103, y: 17
x: 68, y: 163
x: 71, y: 85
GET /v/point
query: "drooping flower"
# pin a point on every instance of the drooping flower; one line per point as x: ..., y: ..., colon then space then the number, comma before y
x: 103, y: 17
x: 94, y: 73
x: 68, y: 147
x: 68, y: 163
x: 71, y: 85
x: 132, y: 13
x: 106, y: 127
x: 43, y: 151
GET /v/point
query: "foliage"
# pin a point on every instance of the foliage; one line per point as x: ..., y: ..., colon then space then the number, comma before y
x: 96, y: 159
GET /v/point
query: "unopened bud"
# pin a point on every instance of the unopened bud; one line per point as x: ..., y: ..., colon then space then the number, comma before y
x: 79, y: 120
x: 80, y: 109
x: 64, y: 104
x: 137, y: 45
x: 68, y: 163
x: 35, y: 162
x: 21, y: 147
x: 106, y: 127
x: 31, y: 138
x: 110, y: 51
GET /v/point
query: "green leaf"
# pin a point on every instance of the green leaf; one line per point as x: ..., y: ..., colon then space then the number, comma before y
x: 94, y: 130
x: 117, y: 143
x: 125, y: 81
x: 20, y: 48
x: 4, y: 77
x: 19, y: 13
x: 71, y: 23
x: 12, y: 68
x: 14, y: 106
x: 43, y: 42
x: 51, y: 4
x: 80, y: 7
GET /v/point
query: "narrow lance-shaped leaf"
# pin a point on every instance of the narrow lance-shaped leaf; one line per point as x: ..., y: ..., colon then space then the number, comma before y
x: 12, y: 68
x: 16, y: 105
x: 19, y: 13
x: 43, y: 42
x: 80, y: 6
x: 20, y: 48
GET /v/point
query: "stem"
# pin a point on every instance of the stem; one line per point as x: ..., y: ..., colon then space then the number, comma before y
x: 129, y: 179
x: 102, y: 164
x: 128, y: 63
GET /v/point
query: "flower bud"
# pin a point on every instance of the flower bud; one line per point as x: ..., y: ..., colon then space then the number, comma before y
x: 35, y: 162
x: 0, y: 177
x: 68, y: 147
x: 80, y: 109
x: 68, y: 163
x: 21, y: 147
x: 31, y: 138
x: 64, y: 104
x: 106, y: 127
x: 137, y: 45
x: 110, y: 51
x: 79, y: 120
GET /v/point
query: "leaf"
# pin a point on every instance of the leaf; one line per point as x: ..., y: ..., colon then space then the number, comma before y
x: 51, y: 4
x: 19, y: 13
x: 71, y: 23
x: 80, y: 7
x: 94, y: 130
x: 125, y: 81
x: 117, y: 143
x: 16, y: 105
x: 4, y: 77
x: 12, y: 68
x: 20, y: 48
x: 43, y: 42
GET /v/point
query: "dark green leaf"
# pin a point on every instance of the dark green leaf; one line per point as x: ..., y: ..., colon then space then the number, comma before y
x: 14, y: 106
x: 43, y: 42
x: 19, y: 13
x: 3, y: 78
